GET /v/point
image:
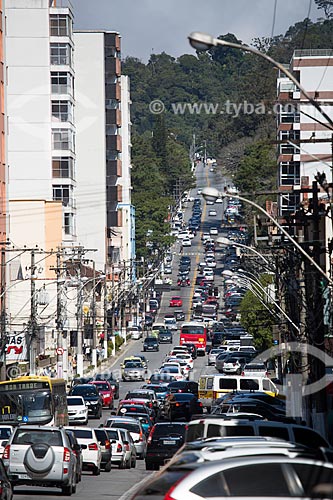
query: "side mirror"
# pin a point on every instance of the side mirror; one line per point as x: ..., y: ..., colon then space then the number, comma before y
x: 4, y: 444
x: 125, y: 442
x: 77, y: 447
x: 113, y: 441
x: 84, y: 446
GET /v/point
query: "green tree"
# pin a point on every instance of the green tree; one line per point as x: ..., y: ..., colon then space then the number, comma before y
x: 326, y: 6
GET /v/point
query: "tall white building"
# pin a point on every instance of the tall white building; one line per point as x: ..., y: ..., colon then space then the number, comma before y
x: 105, y: 216
x: 40, y: 105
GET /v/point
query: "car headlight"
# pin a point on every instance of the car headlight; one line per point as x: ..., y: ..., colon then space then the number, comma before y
x: 82, y: 412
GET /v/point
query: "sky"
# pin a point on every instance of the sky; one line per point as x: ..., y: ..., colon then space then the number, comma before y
x: 154, y: 26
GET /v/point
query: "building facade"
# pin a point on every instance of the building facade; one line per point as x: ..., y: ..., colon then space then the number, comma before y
x: 40, y: 103
x: 105, y: 216
x: 306, y: 147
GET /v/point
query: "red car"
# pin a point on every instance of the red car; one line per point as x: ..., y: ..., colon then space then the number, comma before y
x: 176, y: 301
x: 105, y: 390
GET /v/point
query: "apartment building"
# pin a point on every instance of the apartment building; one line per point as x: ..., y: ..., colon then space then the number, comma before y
x: 40, y: 104
x: 307, y: 146
x: 105, y: 216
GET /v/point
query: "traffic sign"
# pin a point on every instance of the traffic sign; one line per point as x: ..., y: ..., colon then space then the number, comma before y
x: 60, y: 351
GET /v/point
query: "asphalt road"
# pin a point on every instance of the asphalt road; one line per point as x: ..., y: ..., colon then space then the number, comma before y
x: 117, y: 482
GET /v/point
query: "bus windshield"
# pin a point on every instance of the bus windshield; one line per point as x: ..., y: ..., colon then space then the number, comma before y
x: 30, y: 407
x: 193, y: 330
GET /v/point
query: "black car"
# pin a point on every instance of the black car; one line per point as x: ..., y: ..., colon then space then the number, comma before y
x: 151, y: 344
x: 6, y: 490
x: 106, y: 448
x: 185, y: 259
x: 114, y: 383
x: 252, y: 405
x: 149, y: 320
x: 165, y: 336
x: 91, y: 396
x: 81, y: 380
x: 163, y: 442
x: 179, y: 315
x: 182, y: 405
x: 191, y: 349
x: 184, y: 386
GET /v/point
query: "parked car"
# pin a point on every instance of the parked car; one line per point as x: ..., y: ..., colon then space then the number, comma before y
x: 91, y: 396
x: 104, y: 389
x: 91, y: 450
x: 106, y: 449
x: 176, y: 301
x: 135, y: 428
x: 135, y: 332
x: 163, y: 441
x: 41, y: 456
x: 150, y: 344
x: 77, y: 410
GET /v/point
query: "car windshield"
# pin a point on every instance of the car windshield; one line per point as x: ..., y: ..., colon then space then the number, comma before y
x: 169, y: 429
x: 133, y: 364
x: 74, y: 401
x: 83, y: 433
x: 102, y: 387
x: 84, y: 391
x: 35, y: 406
x: 124, y: 425
x: 150, y: 340
x: 51, y: 437
x: 5, y: 432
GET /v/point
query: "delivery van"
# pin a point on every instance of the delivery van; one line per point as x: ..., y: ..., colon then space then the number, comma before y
x: 213, y: 386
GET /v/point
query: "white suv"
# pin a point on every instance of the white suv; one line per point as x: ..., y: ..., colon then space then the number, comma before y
x: 91, y: 450
x: 77, y: 410
x: 41, y: 456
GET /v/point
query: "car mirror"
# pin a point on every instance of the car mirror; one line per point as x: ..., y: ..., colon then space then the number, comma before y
x: 4, y: 443
x: 113, y: 441
x: 125, y: 442
x: 84, y: 446
x: 113, y: 412
x: 77, y: 447
x: 117, y: 380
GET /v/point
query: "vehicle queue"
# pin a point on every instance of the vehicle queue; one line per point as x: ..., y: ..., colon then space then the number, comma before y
x: 200, y: 431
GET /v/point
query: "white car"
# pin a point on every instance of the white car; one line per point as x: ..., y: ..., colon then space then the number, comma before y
x: 91, y: 450
x: 205, y: 236
x: 211, y: 263
x: 183, y: 234
x: 219, y: 200
x: 255, y: 370
x: 77, y: 410
x: 213, y: 231
x: 170, y: 322
x: 173, y: 369
x: 210, y: 202
x: 136, y: 333
x: 5, y: 433
x: 212, y: 213
x: 186, y: 357
x: 167, y: 270
x: 209, y: 275
x: 186, y: 242
x: 121, y: 454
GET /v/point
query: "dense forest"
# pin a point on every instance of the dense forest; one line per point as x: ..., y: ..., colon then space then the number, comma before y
x: 242, y: 142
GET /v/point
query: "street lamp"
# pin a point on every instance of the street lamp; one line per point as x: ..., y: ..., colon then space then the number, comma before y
x: 225, y: 241
x: 203, y: 42
x: 211, y: 194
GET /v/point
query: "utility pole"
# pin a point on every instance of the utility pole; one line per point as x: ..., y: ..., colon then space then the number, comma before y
x: 33, y: 317
x: 105, y: 316
x: 93, y: 317
x: 59, y: 321
x: 113, y: 337
x: 3, y: 316
x: 79, y: 360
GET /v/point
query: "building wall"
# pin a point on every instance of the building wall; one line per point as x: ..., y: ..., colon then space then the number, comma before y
x: 91, y: 143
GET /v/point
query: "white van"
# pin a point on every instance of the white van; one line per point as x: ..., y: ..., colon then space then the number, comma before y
x: 213, y: 386
x: 210, y: 427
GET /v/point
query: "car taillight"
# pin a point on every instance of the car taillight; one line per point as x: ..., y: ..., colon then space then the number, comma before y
x: 67, y: 455
x: 107, y: 444
x: 150, y: 437
x: 127, y: 447
x: 6, y: 452
x: 93, y: 446
x: 242, y: 374
x: 168, y: 495
x: 119, y: 448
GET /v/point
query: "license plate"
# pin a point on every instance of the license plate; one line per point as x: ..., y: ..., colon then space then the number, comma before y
x: 169, y: 441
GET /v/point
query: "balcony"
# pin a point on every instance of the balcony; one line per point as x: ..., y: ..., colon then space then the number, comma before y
x: 113, y: 65
x: 115, y: 218
x: 113, y: 117
x: 112, y: 40
x: 113, y: 143
x: 113, y: 91
x: 113, y: 168
x: 114, y: 194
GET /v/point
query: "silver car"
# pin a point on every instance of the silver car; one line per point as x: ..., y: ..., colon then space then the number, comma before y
x: 135, y: 429
x: 134, y: 370
x: 41, y: 456
x: 212, y: 355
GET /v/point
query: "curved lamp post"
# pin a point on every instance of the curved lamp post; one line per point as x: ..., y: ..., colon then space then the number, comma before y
x: 203, y: 42
x: 225, y: 241
x: 211, y: 194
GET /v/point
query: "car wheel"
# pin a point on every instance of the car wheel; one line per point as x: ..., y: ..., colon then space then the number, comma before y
x: 133, y: 462
x: 111, y: 406
x: 122, y: 465
x: 149, y: 466
x: 100, y: 413
x: 107, y: 467
x: 67, y: 490
x: 128, y: 464
x: 96, y: 471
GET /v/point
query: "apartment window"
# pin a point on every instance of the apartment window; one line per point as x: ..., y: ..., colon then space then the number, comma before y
x: 63, y: 139
x: 289, y: 203
x: 63, y: 193
x: 61, y: 53
x: 61, y: 82
x: 289, y: 173
x: 68, y: 223
x: 63, y: 168
x: 112, y: 104
x: 62, y: 111
x: 290, y: 135
x: 60, y: 25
